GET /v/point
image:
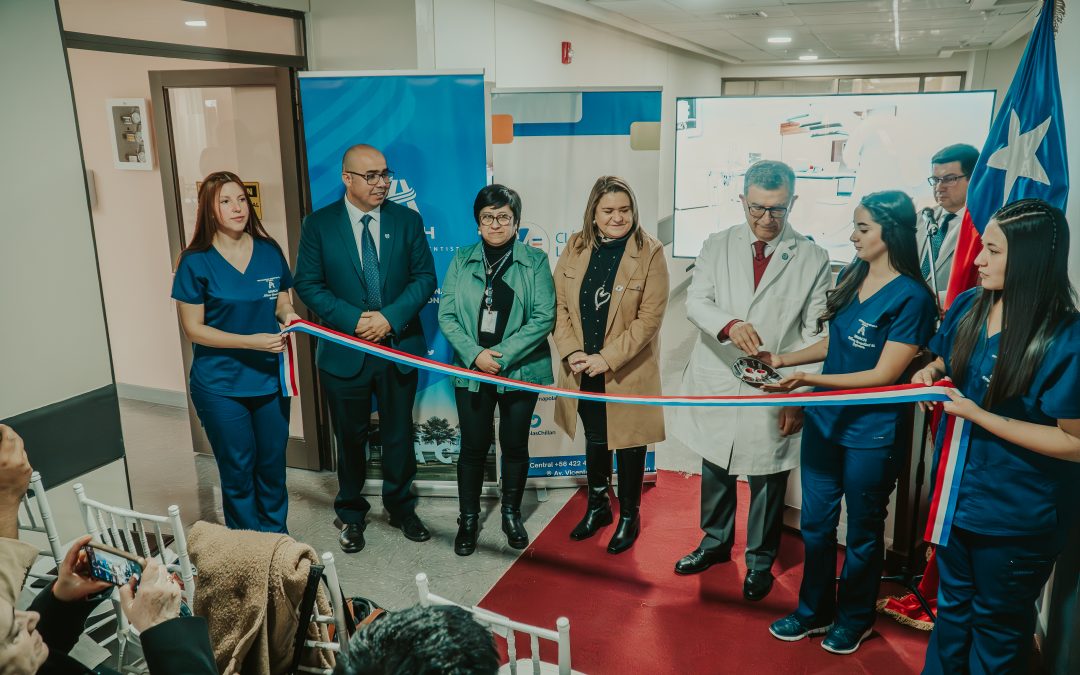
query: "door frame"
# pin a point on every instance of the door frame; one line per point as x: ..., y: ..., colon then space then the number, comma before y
x: 307, y: 452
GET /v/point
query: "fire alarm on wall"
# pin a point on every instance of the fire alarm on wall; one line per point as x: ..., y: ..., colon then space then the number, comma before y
x: 567, y: 53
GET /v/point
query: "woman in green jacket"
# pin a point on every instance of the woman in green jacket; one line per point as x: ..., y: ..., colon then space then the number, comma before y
x: 496, y: 310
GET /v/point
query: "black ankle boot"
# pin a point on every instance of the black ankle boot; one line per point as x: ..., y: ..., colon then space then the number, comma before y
x: 631, y: 473
x: 516, y: 536
x: 515, y: 473
x: 468, y: 528
x: 598, y: 513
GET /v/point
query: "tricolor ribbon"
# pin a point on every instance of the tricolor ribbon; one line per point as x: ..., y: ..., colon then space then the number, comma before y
x: 950, y: 469
x: 950, y: 465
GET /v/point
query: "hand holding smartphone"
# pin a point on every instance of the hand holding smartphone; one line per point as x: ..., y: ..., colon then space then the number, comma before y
x: 111, y: 565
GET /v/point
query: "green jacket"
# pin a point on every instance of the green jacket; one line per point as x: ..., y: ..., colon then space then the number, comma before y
x: 524, y: 348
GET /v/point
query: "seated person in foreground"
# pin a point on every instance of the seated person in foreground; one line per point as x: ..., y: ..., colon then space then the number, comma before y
x: 443, y: 640
x: 38, y: 640
x: 16, y: 557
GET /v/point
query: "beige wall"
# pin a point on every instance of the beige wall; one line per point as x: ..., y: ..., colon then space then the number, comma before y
x: 517, y: 43
x: 362, y: 35
x: 994, y: 68
x: 48, y: 272
x: 129, y: 220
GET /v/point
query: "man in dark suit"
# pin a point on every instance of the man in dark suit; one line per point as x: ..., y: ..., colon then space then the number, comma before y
x: 940, y: 227
x: 364, y: 266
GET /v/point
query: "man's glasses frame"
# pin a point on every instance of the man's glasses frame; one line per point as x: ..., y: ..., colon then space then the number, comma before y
x: 946, y: 180
x: 777, y: 212
x: 373, y: 178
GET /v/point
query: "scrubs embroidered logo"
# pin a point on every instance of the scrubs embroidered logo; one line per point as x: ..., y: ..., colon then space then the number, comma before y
x: 271, y: 287
x: 858, y: 340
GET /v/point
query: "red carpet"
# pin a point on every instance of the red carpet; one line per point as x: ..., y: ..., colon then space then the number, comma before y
x: 631, y: 613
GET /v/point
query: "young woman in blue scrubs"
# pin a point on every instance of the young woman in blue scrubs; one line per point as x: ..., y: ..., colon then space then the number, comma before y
x: 879, y: 316
x: 1012, y: 348
x: 232, y: 291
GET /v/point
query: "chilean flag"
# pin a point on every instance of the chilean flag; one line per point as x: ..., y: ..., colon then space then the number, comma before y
x: 1024, y: 154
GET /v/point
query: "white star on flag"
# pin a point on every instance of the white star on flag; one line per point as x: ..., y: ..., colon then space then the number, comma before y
x: 1017, y: 159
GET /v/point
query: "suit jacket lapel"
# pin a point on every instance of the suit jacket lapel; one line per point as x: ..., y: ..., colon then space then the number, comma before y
x: 740, y: 259
x: 629, y: 264
x: 782, y: 254
x: 348, y: 242
x: 390, y: 236
x: 949, y: 242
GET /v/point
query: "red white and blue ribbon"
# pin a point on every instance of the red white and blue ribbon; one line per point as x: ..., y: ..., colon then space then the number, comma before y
x: 290, y: 383
x: 950, y: 465
x: 902, y: 393
x: 950, y: 469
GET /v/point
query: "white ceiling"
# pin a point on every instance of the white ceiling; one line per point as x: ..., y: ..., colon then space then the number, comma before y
x: 836, y: 30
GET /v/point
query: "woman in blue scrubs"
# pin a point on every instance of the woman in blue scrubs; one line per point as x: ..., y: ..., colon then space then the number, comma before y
x: 879, y: 315
x: 232, y: 291
x: 1012, y: 348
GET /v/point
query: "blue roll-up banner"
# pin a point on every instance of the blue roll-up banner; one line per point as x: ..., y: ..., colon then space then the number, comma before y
x: 432, y: 129
x: 551, y: 146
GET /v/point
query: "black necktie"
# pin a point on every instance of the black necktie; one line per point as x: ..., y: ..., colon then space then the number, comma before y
x: 369, y: 256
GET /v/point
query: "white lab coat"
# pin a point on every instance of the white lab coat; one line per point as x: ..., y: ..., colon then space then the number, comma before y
x: 784, y: 311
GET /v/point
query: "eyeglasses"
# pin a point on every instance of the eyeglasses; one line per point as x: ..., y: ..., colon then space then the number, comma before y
x: 504, y: 219
x: 373, y: 178
x: 777, y: 212
x: 946, y: 180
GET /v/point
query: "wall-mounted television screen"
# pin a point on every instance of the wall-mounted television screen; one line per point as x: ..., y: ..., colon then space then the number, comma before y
x: 841, y: 148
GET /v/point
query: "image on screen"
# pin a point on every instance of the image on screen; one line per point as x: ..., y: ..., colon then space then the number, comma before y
x: 111, y: 567
x: 840, y: 147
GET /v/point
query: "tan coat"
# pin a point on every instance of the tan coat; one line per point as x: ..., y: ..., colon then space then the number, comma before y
x: 631, y: 341
x: 249, y: 588
x: 16, y: 559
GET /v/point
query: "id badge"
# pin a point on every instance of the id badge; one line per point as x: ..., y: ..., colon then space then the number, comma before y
x: 487, y: 320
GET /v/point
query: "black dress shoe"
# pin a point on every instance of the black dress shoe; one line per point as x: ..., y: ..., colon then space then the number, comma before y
x: 757, y: 585
x: 412, y: 527
x: 701, y: 559
x: 351, y: 538
x: 468, y: 528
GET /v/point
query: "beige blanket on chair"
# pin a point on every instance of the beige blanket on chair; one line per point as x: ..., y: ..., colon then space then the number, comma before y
x: 249, y: 588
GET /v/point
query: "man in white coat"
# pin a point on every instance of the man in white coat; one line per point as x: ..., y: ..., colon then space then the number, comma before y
x: 940, y: 226
x: 758, y: 287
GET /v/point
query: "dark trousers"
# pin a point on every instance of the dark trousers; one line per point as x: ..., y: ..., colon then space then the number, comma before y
x: 864, y: 478
x: 593, y: 416
x: 476, y: 415
x: 350, y: 412
x: 719, y: 490
x: 986, y: 602
x: 248, y: 435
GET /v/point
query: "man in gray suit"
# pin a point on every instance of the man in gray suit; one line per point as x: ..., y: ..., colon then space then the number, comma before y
x: 951, y: 166
x: 365, y: 267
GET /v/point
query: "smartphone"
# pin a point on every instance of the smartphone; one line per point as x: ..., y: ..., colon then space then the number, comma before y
x: 111, y: 564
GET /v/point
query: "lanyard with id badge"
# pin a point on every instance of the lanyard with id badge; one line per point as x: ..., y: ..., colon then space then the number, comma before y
x: 489, y: 317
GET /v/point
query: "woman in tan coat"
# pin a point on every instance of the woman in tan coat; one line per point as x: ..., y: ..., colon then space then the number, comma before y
x: 611, y: 288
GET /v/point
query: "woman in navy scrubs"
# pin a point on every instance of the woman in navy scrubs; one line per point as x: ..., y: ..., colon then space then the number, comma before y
x: 232, y: 291
x: 1012, y: 347
x: 879, y: 315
